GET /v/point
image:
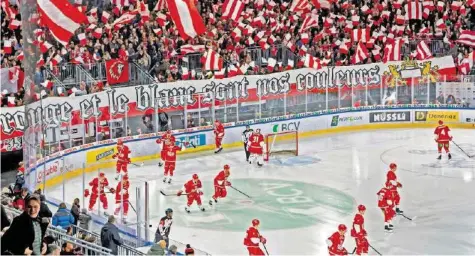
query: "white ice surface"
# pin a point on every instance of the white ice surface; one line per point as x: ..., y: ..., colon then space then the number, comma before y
x: 440, y: 193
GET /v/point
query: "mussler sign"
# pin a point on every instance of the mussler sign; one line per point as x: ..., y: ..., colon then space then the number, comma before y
x: 389, y: 117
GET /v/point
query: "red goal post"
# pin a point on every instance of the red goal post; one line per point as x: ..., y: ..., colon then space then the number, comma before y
x: 281, y: 143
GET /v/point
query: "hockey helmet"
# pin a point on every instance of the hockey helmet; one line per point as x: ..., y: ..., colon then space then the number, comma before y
x: 341, y: 227
x: 441, y: 122
x: 120, y: 142
x: 392, y: 166
x: 361, y: 207
x: 226, y: 167
x: 255, y: 222
x: 102, y: 174
x: 258, y: 130
x: 195, y: 176
x: 169, y: 210
x: 169, y: 131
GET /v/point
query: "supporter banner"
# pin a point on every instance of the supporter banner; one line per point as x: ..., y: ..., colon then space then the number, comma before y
x: 434, y: 116
x: 142, y: 100
x: 117, y: 71
x: 100, y: 155
x: 390, y: 117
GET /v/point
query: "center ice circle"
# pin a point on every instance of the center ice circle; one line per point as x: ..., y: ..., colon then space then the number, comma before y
x: 279, y: 204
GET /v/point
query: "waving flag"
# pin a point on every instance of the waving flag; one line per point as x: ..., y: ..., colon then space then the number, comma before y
x: 232, y: 9
x: 186, y: 17
x: 61, y: 17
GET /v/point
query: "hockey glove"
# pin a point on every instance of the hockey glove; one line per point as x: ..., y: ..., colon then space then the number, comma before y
x: 399, y: 185
x: 114, y: 156
x: 128, y: 160
x: 86, y: 192
x: 112, y: 190
x: 263, y: 240
x: 451, y: 138
x: 228, y: 183
x: 179, y: 193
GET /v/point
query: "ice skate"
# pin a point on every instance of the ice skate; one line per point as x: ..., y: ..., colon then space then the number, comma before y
x: 259, y: 164
x: 117, y: 176
x: 211, y: 202
x: 169, y: 180
x: 124, y: 219
x: 440, y: 157
x: 106, y: 214
x: 450, y: 156
x: 187, y: 209
x: 391, y: 226
x: 165, y: 180
x: 202, y: 208
x: 388, y: 229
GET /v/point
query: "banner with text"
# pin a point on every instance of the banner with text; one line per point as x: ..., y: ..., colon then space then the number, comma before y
x: 194, y: 95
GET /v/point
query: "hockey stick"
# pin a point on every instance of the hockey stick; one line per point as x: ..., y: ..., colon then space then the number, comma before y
x: 462, y: 149
x: 138, y: 165
x: 240, y: 191
x: 265, y: 248
x: 373, y: 249
x: 163, y: 193
x: 405, y: 217
x: 133, y: 208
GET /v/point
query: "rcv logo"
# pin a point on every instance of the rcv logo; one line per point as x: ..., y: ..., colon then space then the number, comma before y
x: 291, y: 126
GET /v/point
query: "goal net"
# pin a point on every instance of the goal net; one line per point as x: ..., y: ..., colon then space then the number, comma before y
x: 281, y: 143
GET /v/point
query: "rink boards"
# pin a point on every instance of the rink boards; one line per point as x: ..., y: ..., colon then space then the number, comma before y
x: 94, y: 156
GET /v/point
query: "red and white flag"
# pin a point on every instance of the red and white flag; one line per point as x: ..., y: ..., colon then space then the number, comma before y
x: 161, y: 19
x: 82, y: 39
x: 62, y: 18
x: 212, y: 61
x: 309, y: 21
x: 56, y: 60
x: 105, y: 17
x: 13, y: 74
x: 361, y: 53
x: 300, y: 6
x: 271, y: 62
x: 97, y: 33
x: 232, y: 9
x: 414, y: 10
x: 321, y: 4
x: 120, y: 3
x: 47, y: 84
x: 7, y: 46
x: 45, y: 46
x: 467, y: 63
x: 14, y: 24
x: 188, y: 48
x: 312, y: 62
x: 160, y: 5
x: 392, y: 51
x: 467, y: 37
x: 186, y: 17
x: 361, y: 34
x: 423, y: 51
x: 11, y: 101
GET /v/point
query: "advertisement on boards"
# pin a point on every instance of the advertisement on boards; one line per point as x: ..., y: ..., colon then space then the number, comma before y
x: 435, y: 116
x: 390, y: 117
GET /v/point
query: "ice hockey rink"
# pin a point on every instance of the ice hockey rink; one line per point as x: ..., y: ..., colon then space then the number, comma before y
x: 301, y: 200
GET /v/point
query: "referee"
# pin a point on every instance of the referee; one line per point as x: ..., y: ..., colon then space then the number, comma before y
x: 245, y: 138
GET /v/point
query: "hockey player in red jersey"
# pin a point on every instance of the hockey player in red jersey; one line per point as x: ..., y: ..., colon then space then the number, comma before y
x: 386, y: 204
x: 219, y: 135
x: 97, y: 190
x: 359, y: 233
x: 392, y: 178
x: 335, y: 242
x: 122, y: 196
x: 443, y: 139
x: 122, y: 158
x: 167, y: 139
x: 253, y: 238
x: 220, y: 183
x: 194, y: 193
x: 170, y: 159
x: 256, y: 147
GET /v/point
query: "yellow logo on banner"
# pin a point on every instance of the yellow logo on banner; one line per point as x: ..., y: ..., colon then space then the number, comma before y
x: 101, y: 154
x: 446, y: 116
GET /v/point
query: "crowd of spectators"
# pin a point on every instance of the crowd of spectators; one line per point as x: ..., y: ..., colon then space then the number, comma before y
x: 155, y: 45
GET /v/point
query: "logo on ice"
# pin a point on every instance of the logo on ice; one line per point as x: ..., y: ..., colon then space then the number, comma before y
x: 389, y: 117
